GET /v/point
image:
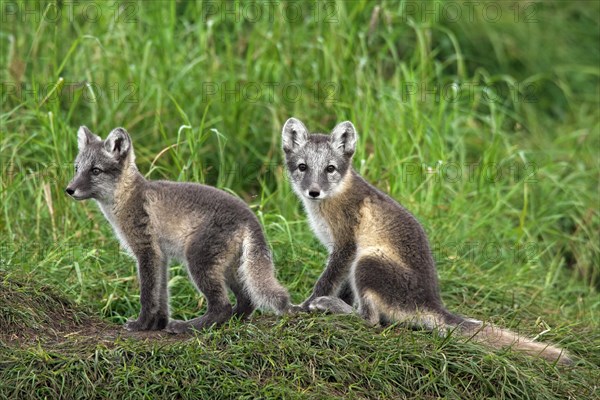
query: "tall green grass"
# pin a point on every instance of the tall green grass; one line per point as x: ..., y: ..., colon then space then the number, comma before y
x: 485, y: 126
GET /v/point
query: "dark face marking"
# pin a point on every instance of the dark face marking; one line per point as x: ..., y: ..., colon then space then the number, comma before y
x: 96, y: 174
x: 317, y: 169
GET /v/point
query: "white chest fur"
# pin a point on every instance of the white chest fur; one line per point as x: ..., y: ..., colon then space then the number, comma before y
x: 318, y: 224
x: 108, y: 212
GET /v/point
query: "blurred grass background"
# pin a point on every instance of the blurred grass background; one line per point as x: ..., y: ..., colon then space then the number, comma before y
x: 480, y: 118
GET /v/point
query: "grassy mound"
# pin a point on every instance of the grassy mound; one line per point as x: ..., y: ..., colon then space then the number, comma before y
x: 31, y: 312
x: 74, y: 355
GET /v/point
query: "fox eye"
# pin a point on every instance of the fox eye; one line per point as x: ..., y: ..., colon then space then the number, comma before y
x: 302, y: 167
x: 96, y: 171
x: 330, y: 169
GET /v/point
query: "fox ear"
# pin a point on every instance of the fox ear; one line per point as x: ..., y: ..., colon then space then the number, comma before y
x: 118, y: 143
x: 343, y: 138
x: 294, y: 135
x: 85, y: 137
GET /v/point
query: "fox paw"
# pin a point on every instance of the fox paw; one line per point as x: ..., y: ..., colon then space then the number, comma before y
x: 198, y: 324
x: 176, y: 327
x: 153, y: 323
x: 331, y: 305
x: 297, y: 308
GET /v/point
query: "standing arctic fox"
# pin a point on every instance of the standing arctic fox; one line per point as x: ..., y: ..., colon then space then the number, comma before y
x: 379, y: 255
x: 214, y: 233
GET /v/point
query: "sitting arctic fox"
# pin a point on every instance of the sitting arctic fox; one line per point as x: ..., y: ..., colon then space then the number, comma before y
x: 379, y: 255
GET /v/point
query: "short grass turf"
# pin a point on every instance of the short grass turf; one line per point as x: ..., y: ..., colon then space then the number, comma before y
x: 486, y: 126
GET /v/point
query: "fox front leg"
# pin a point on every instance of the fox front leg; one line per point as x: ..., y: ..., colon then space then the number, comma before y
x: 152, y: 271
x: 337, y: 270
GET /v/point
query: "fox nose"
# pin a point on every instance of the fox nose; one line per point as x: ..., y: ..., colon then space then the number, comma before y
x: 69, y: 191
x: 314, y: 193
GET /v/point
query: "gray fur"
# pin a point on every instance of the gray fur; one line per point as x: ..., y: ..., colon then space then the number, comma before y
x: 379, y: 255
x: 215, y: 234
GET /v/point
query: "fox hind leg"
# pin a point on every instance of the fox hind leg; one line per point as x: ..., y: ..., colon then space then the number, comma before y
x: 346, y: 293
x: 367, y: 309
x: 208, y: 257
x: 378, y: 284
x: 243, y: 307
